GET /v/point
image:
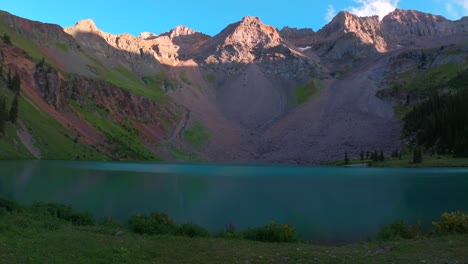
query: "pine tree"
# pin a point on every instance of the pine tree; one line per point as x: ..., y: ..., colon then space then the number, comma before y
x: 417, y: 155
x: 16, y: 84
x: 14, y: 110
x: 362, y: 155
x: 367, y: 155
x: 9, y: 79
x: 439, y: 122
x: 3, y: 114
x: 375, y: 156
x: 6, y: 39
x: 381, y: 157
x: 346, y: 159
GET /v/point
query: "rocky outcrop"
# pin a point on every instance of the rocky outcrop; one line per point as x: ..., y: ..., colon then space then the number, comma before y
x: 43, y: 34
x: 348, y: 36
x: 119, y: 102
x: 184, y: 41
x: 298, y: 37
x: 252, y: 42
x: 404, y: 26
x: 168, y: 48
x: 241, y: 42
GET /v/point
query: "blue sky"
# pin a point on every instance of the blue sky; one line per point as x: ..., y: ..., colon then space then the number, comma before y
x: 210, y: 16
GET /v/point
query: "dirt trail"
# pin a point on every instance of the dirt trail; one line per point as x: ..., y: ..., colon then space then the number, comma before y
x: 348, y: 117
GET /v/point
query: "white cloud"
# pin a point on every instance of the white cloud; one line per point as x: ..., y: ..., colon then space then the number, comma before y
x: 457, y: 8
x: 330, y: 14
x: 375, y: 7
x: 463, y: 3
x: 452, y: 12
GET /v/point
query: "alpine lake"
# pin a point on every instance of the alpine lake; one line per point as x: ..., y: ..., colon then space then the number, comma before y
x: 324, y: 204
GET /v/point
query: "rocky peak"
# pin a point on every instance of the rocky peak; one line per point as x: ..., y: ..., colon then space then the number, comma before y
x: 179, y: 31
x: 239, y: 41
x: 255, y: 27
x: 147, y: 36
x: 346, y: 22
x: 350, y: 28
x: 348, y: 33
x: 413, y: 16
x: 404, y: 26
x: 86, y: 25
x: 180, y: 43
x: 251, y: 32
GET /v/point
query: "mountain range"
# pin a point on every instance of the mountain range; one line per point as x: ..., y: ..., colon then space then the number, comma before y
x: 251, y: 93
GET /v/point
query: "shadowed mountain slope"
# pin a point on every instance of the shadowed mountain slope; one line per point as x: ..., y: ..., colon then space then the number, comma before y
x: 249, y: 93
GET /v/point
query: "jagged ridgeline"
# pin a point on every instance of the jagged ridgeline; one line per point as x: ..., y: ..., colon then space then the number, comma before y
x: 250, y: 93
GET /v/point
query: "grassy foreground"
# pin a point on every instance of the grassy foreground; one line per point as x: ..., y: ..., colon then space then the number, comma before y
x: 406, y: 162
x: 28, y: 236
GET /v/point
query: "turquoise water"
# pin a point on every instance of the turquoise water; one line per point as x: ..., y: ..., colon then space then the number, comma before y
x: 324, y: 204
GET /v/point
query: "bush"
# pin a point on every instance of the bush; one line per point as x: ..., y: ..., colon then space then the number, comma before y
x: 7, y: 39
x: 230, y: 232
x: 155, y: 223
x: 9, y: 205
x: 272, y: 232
x: 65, y: 212
x: 398, y: 230
x: 191, y: 230
x: 452, y: 223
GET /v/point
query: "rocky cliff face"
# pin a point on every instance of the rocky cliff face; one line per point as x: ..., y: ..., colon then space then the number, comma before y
x: 252, y: 42
x: 348, y: 36
x: 298, y: 37
x: 241, y: 42
x: 120, y: 103
x: 405, y: 26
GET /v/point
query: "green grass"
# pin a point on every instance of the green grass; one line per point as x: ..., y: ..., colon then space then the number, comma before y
x: 435, y: 77
x: 161, y: 81
x: 130, y: 76
x: 197, y: 135
x: 11, y: 146
x: 123, y: 137
x: 148, y: 86
x: 406, y: 162
x: 307, y: 91
x: 428, y: 161
x: 64, y: 47
x: 18, y: 40
x: 342, y: 163
x: 123, y: 78
x: 27, y: 237
x: 53, y: 140
x: 181, y: 155
x: 211, y: 77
